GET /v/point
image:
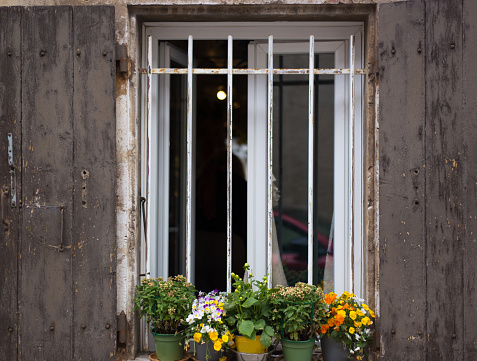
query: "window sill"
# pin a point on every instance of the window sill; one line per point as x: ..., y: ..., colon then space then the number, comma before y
x: 143, y: 356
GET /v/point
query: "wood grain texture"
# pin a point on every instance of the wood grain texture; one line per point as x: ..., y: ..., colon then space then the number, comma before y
x: 402, y: 236
x: 94, y: 251
x: 445, y: 194
x: 47, y: 107
x: 10, y: 122
x: 469, y: 118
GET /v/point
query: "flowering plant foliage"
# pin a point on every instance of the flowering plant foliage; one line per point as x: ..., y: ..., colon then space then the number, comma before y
x: 165, y: 304
x: 205, y: 322
x: 248, y: 307
x: 297, y: 310
x: 348, y: 320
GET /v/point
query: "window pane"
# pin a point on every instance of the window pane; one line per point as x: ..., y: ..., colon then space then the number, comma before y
x: 290, y: 166
x: 210, y: 162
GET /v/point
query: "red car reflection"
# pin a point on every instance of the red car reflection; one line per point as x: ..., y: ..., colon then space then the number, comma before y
x: 294, y: 243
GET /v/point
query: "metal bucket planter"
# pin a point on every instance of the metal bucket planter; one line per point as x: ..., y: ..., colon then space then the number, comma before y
x: 204, y: 351
x: 168, y: 347
x: 297, y: 350
x: 243, y: 356
x: 333, y: 350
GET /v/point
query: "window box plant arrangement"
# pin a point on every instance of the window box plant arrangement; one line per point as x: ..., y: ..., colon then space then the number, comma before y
x: 248, y: 313
x: 165, y: 305
x: 348, y: 322
x: 296, y: 313
x: 206, y: 327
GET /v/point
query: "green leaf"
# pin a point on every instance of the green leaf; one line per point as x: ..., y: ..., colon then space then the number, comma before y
x: 265, y: 340
x: 231, y: 320
x: 249, y: 302
x: 269, y: 331
x: 246, y: 328
x: 259, y: 324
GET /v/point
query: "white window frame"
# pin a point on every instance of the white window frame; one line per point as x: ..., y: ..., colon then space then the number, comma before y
x: 350, y: 277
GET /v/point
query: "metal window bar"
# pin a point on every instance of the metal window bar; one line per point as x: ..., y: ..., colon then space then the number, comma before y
x: 270, y: 71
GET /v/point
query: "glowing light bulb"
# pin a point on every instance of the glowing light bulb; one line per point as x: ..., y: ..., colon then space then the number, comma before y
x: 221, y: 95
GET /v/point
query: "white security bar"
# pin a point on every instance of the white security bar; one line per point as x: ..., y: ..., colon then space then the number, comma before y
x: 311, y: 132
x: 351, y: 152
x: 229, y: 163
x: 148, y: 151
x: 270, y: 161
x: 220, y: 71
x: 189, y: 161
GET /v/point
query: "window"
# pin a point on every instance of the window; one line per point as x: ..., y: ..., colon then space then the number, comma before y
x: 336, y: 167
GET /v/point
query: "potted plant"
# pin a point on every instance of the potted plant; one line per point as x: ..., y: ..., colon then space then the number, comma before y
x: 206, y: 327
x: 165, y: 305
x: 248, y: 313
x: 295, y: 311
x: 346, y: 329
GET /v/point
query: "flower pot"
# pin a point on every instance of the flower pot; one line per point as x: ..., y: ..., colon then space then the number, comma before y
x: 246, y: 345
x: 204, y: 351
x: 168, y: 347
x: 333, y: 350
x: 297, y: 350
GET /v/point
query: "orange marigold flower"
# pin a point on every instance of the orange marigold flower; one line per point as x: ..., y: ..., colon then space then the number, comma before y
x: 330, y: 297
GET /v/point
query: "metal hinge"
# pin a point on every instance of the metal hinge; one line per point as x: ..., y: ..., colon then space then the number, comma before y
x: 122, y: 59
x: 13, y: 177
x: 122, y: 328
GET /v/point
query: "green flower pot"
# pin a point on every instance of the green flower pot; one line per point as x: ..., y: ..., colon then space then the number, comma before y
x: 168, y: 347
x: 297, y: 350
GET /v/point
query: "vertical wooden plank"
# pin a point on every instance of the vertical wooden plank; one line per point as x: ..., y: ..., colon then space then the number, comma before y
x: 10, y: 122
x: 469, y: 120
x: 94, y: 227
x: 402, y: 236
x: 47, y: 85
x: 445, y: 194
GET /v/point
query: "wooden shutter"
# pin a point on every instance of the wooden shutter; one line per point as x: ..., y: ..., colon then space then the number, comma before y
x: 62, y: 114
x: 428, y: 180
x: 402, y: 185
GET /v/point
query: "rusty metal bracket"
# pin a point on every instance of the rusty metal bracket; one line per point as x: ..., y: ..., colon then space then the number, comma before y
x: 3, y: 195
x: 122, y: 59
x: 122, y: 327
x: 13, y: 177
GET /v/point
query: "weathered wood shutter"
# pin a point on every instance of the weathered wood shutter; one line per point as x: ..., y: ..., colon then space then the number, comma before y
x: 57, y: 88
x: 428, y: 180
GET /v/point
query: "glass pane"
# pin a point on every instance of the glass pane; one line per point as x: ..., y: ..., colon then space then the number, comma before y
x: 210, y: 162
x: 290, y: 166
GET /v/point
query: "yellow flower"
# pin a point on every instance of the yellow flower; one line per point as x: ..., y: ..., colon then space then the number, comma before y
x: 371, y: 313
x: 366, y: 321
x: 353, y: 315
x: 360, y: 313
x: 217, y: 345
x: 365, y: 306
x: 357, y: 324
x: 225, y: 338
x: 197, y: 337
x: 342, y: 313
x: 213, y: 335
x: 224, y: 358
x: 351, y: 330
